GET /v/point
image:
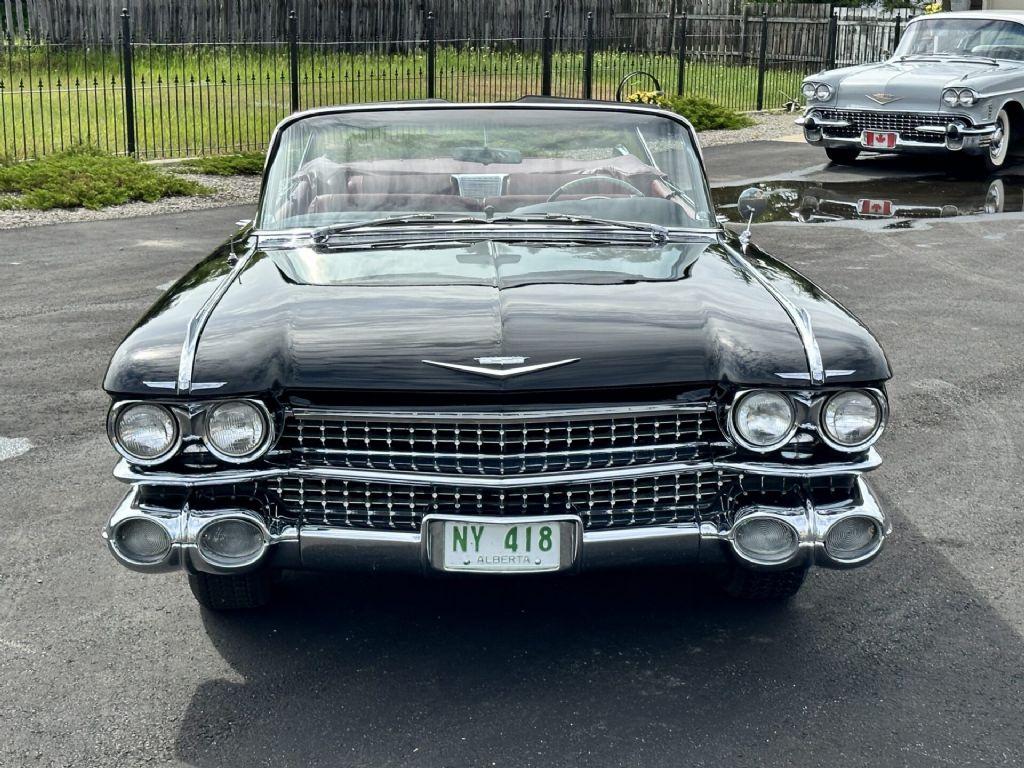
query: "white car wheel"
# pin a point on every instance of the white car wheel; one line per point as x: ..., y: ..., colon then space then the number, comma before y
x: 1000, y: 146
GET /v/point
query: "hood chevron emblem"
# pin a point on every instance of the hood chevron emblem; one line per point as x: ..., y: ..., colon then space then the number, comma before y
x: 503, y: 372
x: 883, y: 98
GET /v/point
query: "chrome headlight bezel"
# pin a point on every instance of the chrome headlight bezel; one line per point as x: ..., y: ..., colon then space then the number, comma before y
x: 830, y: 440
x: 814, y: 92
x: 117, y: 413
x: 736, y: 433
x: 261, y: 448
x: 959, y: 97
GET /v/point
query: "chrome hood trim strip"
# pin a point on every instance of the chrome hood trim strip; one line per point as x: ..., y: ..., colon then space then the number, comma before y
x: 190, y: 346
x: 129, y: 474
x: 799, y: 317
x: 498, y: 417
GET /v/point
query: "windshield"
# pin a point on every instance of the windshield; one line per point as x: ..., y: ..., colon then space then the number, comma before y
x: 485, y: 164
x: 990, y: 38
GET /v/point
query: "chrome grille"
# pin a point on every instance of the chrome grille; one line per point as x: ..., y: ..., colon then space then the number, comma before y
x: 501, y: 444
x: 903, y: 123
x: 618, y: 502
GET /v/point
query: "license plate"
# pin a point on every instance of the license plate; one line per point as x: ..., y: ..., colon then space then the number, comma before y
x: 502, y: 547
x: 868, y: 207
x: 879, y: 140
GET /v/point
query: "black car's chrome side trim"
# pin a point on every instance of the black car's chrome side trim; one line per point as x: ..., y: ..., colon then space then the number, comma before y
x: 801, y: 320
x: 129, y: 474
x: 190, y: 345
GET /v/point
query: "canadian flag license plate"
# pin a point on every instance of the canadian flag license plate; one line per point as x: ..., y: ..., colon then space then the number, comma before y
x: 868, y: 207
x: 879, y: 139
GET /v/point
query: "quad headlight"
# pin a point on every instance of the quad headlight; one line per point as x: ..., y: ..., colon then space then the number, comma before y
x: 816, y: 91
x: 763, y: 421
x: 959, y: 97
x: 237, y: 430
x: 144, y: 433
x: 851, y: 420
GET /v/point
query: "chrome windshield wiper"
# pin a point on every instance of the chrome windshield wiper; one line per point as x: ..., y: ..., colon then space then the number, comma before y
x: 658, y: 233
x: 321, y: 234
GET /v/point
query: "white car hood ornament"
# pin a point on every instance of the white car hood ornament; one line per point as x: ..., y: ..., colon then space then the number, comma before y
x: 502, y: 371
x: 883, y: 98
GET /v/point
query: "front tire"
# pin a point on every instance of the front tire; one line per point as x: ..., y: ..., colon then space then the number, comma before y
x: 999, y: 150
x: 237, y: 592
x: 763, y: 586
x: 842, y: 155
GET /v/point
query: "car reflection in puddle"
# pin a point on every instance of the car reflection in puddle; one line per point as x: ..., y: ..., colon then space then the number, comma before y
x: 812, y: 201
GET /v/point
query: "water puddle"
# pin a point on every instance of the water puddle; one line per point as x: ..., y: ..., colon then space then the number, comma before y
x: 898, y: 200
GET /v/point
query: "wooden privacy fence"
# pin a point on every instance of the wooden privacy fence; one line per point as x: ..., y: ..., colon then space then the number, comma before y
x: 641, y: 24
x: 131, y: 91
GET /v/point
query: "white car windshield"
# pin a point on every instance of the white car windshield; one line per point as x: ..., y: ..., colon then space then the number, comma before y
x: 989, y: 38
x: 485, y: 163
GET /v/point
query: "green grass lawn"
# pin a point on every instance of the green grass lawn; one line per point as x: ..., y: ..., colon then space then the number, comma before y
x: 214, y: 99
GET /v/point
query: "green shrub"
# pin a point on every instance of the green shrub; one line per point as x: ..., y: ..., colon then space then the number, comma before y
x: 244, y: 164
x: 704, y: 114
x: 85, y: 177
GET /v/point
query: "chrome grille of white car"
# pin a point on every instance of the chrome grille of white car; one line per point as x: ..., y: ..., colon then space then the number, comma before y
x: 617, y: 502
x: 501, y: 444
x: 903, y: 123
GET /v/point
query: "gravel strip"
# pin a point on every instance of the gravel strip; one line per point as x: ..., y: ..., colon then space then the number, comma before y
x: 228, y: 190
x: 769, y: 126
x: 240, y: 190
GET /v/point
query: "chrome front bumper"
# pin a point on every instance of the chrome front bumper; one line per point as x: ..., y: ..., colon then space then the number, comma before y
x: 958, y: 138
x: 334, y: 548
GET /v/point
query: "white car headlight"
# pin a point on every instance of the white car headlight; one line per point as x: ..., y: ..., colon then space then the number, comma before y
x: 763, y: 420
x: 236, y: 430
x: 807, y: 89
x: 851, y: 419
x: 967, y: 97
x: 823, y: 92
x: 950, y: 97
x: 145, y: 433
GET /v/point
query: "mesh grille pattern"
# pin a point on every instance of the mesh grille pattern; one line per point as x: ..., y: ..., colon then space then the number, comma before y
x: 473, y: 445
x: 904, y: 123
x: 620, y: 502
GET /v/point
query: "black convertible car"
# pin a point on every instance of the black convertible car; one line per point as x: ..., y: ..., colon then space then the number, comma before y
x: 493, y: 338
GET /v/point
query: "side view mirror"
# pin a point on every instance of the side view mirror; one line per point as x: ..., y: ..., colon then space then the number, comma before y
x: 752, y: 203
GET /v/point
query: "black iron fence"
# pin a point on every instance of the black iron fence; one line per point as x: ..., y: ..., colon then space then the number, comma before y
x: 131, y: 94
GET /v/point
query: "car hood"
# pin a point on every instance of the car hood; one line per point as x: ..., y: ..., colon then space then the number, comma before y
x: 909, y: 86
x: 707, y: 322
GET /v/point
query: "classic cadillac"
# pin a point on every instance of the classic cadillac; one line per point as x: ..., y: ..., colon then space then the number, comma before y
x: 493, y: 339
x: 954, y: 85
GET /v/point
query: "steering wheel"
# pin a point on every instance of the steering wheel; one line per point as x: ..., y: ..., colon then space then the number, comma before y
x: 571, y: 185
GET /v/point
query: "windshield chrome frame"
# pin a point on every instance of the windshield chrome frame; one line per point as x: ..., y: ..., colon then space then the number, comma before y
x: 404, y: 106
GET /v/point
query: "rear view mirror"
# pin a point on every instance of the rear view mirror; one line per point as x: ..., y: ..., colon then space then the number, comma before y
x: 487, y: 155
x: 752, y: 203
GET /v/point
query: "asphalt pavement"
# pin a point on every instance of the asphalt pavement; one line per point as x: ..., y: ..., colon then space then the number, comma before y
x: 915, y: 660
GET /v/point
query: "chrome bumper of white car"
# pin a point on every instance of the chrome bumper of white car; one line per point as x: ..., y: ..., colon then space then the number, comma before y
x: 957, y: 137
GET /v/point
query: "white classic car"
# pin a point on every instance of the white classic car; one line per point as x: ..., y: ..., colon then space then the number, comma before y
x: 955, y: 84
